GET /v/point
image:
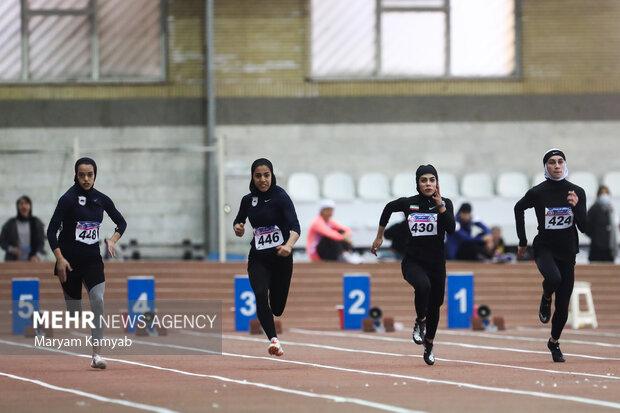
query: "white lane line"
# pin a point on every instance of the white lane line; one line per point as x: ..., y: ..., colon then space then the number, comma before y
x: 447, y: 343
x: 97, y: 397
x: 518, y: 338
x: 570, y: 331
x: 383, y: 353
x: 337, y: 399
x: 584, y: 400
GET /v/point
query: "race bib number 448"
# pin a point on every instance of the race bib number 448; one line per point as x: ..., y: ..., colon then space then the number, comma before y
x: 421, y: 224
x: 87, y: 232
x: 558, y: 218
x: 267, y: 237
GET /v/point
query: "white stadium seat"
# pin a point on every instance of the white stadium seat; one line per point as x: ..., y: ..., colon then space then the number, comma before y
x: 448, y: 185
x: 612, y: 181
x: 586, y: 180
x: 303, y: 186
x: 403, y: 185
x: 476, y: 185
x: 538, y: 179
x: 511, y: 184
x: 373, y: 186
x: 338, y: 186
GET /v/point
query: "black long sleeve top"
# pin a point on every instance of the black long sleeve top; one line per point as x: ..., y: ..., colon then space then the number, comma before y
x: 427, y: 226
x: 266, y: 211
x: 557, y: 220
x: 78, y: 215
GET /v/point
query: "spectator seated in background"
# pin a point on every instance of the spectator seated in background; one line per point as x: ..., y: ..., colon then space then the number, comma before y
x: 328, y: 240
x: 601, y: 228
x: 399, y: 235
x: 22, y: 237
x: 466, y: 245
x: 499, y: 247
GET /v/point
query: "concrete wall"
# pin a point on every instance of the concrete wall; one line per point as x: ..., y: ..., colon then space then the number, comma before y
x: 159, y: 193
x: 456, y: 147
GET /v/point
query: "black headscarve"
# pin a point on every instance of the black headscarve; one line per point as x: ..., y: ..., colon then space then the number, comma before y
x: 84, y: 161
x: 424, y: 169
x: 553, y: 152
x: 259, y: 162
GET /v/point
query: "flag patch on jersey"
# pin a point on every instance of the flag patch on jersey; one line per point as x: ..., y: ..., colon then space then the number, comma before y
x: 414, y: 208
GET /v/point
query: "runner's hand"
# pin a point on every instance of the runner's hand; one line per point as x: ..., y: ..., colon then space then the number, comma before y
x: 284, y: 250
x: 572, y: 198
x: 375, y: 245
x: 521, y: 252
x: 110, y: 244
x: 437, y: 196
x: 239, y: 229
x: 62, y: 266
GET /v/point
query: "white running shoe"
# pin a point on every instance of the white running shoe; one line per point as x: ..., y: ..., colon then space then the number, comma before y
x: 352, y: 257
x: 98, y: 362
x: 275, y: 349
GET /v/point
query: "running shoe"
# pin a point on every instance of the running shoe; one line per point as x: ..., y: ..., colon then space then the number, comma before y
x: 544, y: 313
x: 98, y: 362
x: 556, y: 353
x: 419, y: 332
x: 429, y: 357
x: 275, y: 349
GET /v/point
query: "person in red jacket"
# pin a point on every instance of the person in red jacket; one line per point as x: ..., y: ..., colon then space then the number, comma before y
x: 328, y: 240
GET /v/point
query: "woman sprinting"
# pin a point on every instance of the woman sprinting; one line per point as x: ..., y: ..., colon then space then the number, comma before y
x: 270, y: 262
x: 78, y: 215
x: 560, y: 208
x: 429, y: 217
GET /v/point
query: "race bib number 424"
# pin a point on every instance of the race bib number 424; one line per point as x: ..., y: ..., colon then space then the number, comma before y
x: 268, y: 237
x: 421, y: 224
x: 558, y: 218
x: 87, y: 232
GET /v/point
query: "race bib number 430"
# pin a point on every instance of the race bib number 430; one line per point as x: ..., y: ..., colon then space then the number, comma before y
x: 421, y: 224
x: 267, y: 237
x: 558, y: 218
x: 87, y: 232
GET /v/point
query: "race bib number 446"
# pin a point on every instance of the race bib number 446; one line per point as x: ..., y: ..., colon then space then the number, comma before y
x: 87, y: 232
x: 558, y: 218
x: 421, y: 224
x: 267, y: 237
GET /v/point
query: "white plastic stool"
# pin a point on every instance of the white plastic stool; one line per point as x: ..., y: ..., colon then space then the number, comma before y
x: 576, y: 317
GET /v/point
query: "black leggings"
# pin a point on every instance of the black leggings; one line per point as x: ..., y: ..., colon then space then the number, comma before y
x: 331, y: 250
x: 270, y: 280
x: 429, y: 283
x: 559, y: 279
x: 86, y: 270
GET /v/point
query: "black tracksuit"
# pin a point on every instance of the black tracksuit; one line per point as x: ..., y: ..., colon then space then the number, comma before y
x: 78, y: 215
x: 557, y: 242
x: 270, y: 275
x: 424, y: 264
